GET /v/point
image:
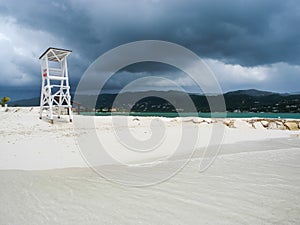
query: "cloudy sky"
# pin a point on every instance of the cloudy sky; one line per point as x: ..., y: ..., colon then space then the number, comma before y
x: 246, y: 43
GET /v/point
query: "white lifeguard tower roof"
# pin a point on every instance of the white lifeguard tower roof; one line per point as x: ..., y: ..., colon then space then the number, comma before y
x: 55, y: 54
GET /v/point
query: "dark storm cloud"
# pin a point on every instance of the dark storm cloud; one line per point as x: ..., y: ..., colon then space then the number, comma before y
x: 245, y: 32
x: 249, y: 33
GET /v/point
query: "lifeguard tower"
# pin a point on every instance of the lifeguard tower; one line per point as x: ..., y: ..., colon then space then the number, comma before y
x: 55, y: 92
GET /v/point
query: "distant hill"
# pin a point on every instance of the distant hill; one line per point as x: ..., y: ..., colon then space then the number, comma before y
x: 242, y: 100
x: 26, y: 102
x: 250, y: 92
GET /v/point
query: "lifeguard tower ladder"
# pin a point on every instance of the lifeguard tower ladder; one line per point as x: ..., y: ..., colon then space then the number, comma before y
x: 55, y: 90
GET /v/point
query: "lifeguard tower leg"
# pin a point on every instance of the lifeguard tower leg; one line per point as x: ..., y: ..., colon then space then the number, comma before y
x: 60, y: 102
x: 41, y: 112
x: 50, y: 111
x: 42, y: 98
x: 50, y: 101
x: 70, y: 114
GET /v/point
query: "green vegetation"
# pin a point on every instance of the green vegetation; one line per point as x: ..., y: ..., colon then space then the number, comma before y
x: 4, y: 100
x: 237, y: 101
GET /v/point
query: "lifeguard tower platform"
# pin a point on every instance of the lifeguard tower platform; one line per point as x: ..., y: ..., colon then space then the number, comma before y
x: 55, y: 91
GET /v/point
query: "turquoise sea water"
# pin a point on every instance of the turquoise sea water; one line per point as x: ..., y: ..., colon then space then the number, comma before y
x: 204, y: 115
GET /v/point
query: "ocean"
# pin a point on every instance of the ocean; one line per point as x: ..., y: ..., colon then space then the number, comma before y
x: 204, y: 115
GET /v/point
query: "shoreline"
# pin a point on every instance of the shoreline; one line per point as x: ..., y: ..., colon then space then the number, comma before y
x: 231, y: 115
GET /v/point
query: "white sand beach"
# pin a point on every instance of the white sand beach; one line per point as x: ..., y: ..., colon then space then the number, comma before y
x: 44, y: 178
